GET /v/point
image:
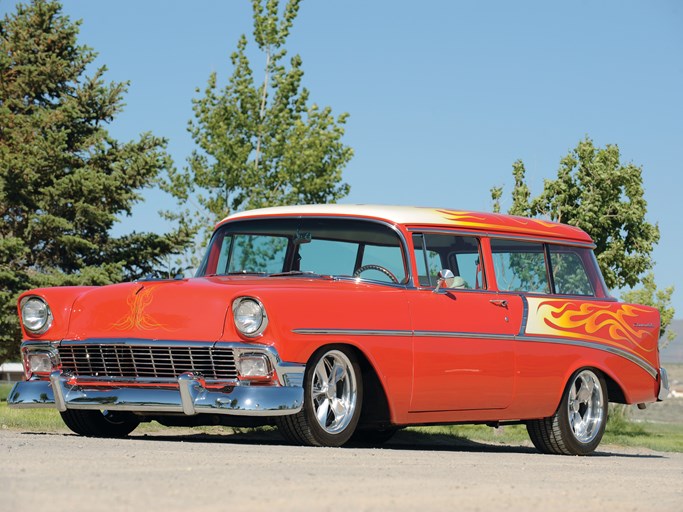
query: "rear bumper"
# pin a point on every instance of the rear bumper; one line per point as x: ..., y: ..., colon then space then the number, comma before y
x: 663, y: 385
x: 190, y: 398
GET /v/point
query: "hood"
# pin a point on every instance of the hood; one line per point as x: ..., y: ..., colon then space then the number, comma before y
x: 189, y: 309
x: 199, y: 309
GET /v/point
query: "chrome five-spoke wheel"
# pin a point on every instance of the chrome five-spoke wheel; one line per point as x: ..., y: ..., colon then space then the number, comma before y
x: 585, y: 406
x: 333, y: 394
x: 577, y: 426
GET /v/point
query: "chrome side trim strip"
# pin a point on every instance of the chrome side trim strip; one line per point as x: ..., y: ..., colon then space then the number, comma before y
x: 402, y: 333
x: 594, y: 345
x: 453, y: 334
x: 354, y: 332
x: 503, y: 337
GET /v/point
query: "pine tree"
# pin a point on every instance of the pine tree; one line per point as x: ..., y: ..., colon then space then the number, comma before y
x: 63, y: 178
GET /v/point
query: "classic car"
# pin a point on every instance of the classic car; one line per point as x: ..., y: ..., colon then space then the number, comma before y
x: 341, y: 323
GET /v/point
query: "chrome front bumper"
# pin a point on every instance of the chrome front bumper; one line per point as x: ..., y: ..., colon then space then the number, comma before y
x: 190, y: 398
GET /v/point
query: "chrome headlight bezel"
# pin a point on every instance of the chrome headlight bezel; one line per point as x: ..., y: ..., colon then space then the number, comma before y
x: 36, y: 308
x: 249, y: 316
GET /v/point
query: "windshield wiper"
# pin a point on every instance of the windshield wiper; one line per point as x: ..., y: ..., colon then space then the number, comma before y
x: 294, y: 273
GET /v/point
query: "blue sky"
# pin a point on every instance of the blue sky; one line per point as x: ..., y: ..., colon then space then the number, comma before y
x: 443, y: 96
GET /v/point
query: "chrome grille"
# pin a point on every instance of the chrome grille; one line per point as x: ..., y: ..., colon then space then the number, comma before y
x: 147, y: 361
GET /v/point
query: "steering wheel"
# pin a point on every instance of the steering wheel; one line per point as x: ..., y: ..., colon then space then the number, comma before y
x: 381, y: 269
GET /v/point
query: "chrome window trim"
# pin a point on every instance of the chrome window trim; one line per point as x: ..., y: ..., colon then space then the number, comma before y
x: 525, y: 314
x: 489, y: 234
x: 502, y: 337
x: 406, y: 255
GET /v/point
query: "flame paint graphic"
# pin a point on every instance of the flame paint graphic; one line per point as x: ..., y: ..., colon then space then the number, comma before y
x: 608, y: 323
x: 138, y: 300
x: 503, y: 222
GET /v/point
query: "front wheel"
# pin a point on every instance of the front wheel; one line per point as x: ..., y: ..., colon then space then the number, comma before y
x: 577, y: 426
x: 333, y: 396
x: 100, y: 423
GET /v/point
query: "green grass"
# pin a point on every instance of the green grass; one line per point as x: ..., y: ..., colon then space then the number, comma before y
x: 5, y: 388
x: 30, y: 420
x: 663, y: 437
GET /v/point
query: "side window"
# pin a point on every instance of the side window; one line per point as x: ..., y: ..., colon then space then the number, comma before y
x: 569, y: 271
x: 460, y: 254
x: 520, y: 266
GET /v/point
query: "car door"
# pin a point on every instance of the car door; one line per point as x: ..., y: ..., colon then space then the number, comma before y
x: 463, y: 344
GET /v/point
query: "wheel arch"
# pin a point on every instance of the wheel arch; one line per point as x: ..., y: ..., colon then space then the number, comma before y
x: 376, y: 411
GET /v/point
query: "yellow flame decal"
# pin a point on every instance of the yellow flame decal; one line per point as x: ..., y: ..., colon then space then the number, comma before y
x: 138, y: 300
x: 596, y: 322
x: 505, y: 222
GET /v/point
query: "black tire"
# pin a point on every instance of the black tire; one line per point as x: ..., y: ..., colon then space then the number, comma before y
x: 579, y: 423
x: 100, y: 423
x: 333, y: 398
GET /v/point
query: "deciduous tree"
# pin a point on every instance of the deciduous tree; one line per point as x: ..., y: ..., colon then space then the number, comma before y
x: 595, y: 191
x: 262, y: 144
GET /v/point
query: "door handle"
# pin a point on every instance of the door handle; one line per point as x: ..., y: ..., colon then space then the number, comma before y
x: 499, y: 302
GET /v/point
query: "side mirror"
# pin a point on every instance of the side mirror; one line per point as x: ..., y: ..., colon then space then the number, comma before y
x: 446, y: 278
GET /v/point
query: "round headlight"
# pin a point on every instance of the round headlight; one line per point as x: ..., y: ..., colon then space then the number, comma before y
x: 36, y: 315
x: 250, y: 316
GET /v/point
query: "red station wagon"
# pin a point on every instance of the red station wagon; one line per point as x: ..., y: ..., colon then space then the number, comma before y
x: 344, y: 323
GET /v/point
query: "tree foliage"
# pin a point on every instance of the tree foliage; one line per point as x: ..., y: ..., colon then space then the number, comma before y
x: 596, y: 192
x: 63, y: 179
x: 262, y: 144
x: 650, y: 295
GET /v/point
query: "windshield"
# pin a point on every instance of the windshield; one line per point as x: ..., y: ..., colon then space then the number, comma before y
x: 324, y: 246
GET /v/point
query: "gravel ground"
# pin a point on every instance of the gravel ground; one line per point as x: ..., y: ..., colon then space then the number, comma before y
x: 255, y: 472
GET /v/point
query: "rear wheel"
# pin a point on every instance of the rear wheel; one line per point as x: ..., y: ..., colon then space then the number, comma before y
x: 100, y: 423
x: 578, y: 425
x: 333, y: 395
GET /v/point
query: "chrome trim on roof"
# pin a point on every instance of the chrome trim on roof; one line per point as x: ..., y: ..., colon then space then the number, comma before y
x: 491, y: 234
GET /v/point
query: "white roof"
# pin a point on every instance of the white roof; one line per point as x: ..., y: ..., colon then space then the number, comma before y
x: 416, y: 215
x: 397, y: 214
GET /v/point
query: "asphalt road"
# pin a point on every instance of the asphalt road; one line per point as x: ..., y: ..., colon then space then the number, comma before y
x: 249, y: 472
